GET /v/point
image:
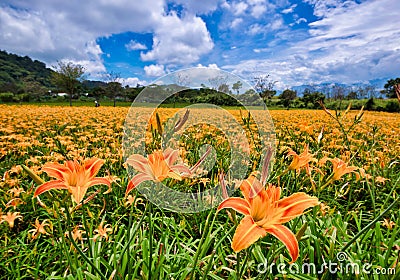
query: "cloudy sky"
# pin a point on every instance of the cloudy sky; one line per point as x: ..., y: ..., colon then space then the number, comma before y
x: 295, y: 41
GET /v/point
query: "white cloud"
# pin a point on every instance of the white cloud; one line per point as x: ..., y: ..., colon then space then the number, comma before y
x: 198, y: 7
x: 54, y: 31
x: 275, y: 24
x: 236, y: 22
x: 329, y: 7
x: 255, y: 29
x: 179, y: 40
x: 133, y: 46
x: 289, y: 10
x: 239, y: 8
x: 132, y: 82
x: 210, y: 66
x: 259, y: 7
x: 347, y: 45
x: 154, y: 70
x: 58, y: 30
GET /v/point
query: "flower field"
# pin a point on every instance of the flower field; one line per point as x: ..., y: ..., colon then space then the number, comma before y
x: 324, y: 206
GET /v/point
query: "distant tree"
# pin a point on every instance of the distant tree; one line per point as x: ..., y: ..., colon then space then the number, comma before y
x: 370, y: 91
x: 114, y: 87
x: 397, y: 90
x: 114, y: 90
x: 311, y: 98
x: 223, y: 88
x: 219, y: 83
x: 352, y: 95
x: 181, y: 80
x: 264, y: 87
x: 10, y: 87
x: 68, y: 76
x: 132, y: 92
x: 249, y: 97
x: 98, y: 92
x: 287, y: 96
x: 237, y: 86
x: 338, y: 92
x: 33, y: 89
x: 389, y: 87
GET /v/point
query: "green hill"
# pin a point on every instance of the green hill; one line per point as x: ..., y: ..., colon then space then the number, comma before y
x: 17, y: 72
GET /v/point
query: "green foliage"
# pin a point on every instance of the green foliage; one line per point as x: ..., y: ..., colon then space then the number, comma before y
x: 370, y: 105
x: 6, y: 97
x: 311, y: 98
x: 67, y: 77
x: 392, y: 106
x: 287, y: 96
x: 14, y: 69
x: 389, y: 87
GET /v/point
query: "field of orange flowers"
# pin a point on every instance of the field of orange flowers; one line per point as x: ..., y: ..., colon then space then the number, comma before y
x: 324, y: 205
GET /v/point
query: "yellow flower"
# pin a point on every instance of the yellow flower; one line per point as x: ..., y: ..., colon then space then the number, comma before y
x: 304, y: 126
x: 101, y: 231
x: 77, y: 233
x: 388, y: 223
x: 265, y: 213
x: 381, y: 180
x: 301, y: 161
x: 73, y: 177
x: 39, y: 228
x: 156, y: 167
x: 16, y: 191
x: 340, y: 168
x: 14, y: 202
x: 10, y: 218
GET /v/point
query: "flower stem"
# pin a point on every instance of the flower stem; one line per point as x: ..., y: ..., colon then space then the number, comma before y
x: 80, y: 251
x: 150, y: 221
x: 369, y: 225
x: 205, y: 232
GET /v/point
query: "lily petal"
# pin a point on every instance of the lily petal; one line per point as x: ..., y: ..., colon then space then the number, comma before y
x: 251, y: 187
x: 180, y: 168
x: 246, y: 234
x: 93, y: 166
x: 288, y: 238
x: 136, y: 180
x: 77, y: 193
x: 56, y: 184
x: 55, y: 170
x: 99, y: 181
x: 294, y: 205
x: 171, y: 156
x: 140, y: 163
x: 236, y: 203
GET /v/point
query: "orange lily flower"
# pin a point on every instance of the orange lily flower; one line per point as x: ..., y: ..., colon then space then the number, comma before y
x: 76, y: 233
x: 101, y: 231
x: 340, y: 168
x: 304, y: 126
x: 73, y: 177
x: 158, y: 166
x: 39, y: 228
x: 265, y: 213
x: 301, y: 161
x: 10, y: 218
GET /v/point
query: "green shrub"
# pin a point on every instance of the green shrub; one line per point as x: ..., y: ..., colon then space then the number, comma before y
x: 370, y: 105
x: 392, y: 106
x: 6, y: 97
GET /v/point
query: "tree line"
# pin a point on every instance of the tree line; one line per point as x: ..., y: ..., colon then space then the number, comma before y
x: 22, y: 79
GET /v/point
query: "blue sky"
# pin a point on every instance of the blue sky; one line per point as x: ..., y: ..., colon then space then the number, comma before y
x: 296, y: 42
